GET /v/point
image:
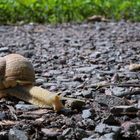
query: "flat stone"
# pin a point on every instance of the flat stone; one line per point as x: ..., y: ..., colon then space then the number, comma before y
x: 26, y: 107
x: 66, y: 131
x: 40, y: 81
x: 80, y: 133
x: 124, y: 110
x: 71, y: 84
x: 95, y: 54
x: 87, y: 69
x: 48, y: 85
x: 4, y: 49
x: 109, y: 100
x: 75, y: 103
x: 138, y: 104
x: 15, y: 134
x: 104, y: 128
x: 109, y: 136
x: 129, y: 126
x: 86, y: 114
x: 2, y: 115
x: 54, y: 72
x: 87, y: 93
x: 3, y: 135
x: 118, y: 91
x: 92, y: 137
x: 110, y: 120
x: 52, y: 132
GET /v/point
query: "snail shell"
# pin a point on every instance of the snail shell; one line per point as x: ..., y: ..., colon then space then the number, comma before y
x: 15, y: 69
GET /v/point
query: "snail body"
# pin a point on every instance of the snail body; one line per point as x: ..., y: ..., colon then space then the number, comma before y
x: 17, y: 78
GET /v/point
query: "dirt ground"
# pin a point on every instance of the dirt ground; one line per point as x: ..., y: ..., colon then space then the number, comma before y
x: 88, y: 61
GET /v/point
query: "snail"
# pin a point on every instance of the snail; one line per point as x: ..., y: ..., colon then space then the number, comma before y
x: 17, y: 78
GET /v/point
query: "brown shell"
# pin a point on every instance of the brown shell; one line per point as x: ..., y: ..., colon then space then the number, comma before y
x: 2, y: 72
x: 19, y: 68
x: 2, y: 68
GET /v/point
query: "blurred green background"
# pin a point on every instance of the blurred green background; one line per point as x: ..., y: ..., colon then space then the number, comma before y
x: 60, y: 11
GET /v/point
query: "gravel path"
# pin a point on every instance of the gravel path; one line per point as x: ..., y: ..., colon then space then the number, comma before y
x: 82, y: 61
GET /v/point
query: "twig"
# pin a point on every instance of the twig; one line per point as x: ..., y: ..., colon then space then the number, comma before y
x: 99, y: 85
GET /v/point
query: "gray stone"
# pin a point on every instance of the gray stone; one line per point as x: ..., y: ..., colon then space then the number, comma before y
x: 2, y: 115
x: 124, y: 110
x: 15, y: 134
x: 109, y: 136
x: 118, y: 91
x: 75, y: 103
x: 110, y: 120
x: 104, y: 128
x: 95, y: 54
x: 54, y: 72
x: 87, y: 69
x: 48, y: 85
x: 40, y: 81
x: 88, y: 123
x: 26, y: 107
x: 66, y: 131
x: 87, y: 93
x: 3, y: 135
x: 80, y: 133
x: 139, y: 104
x: 61, y: 78
x: 52, y: 132
x: 4, y: 49
x: 92, y: 137
x: 86, y: 114
x: 109, y: 100
x: 53, y: 88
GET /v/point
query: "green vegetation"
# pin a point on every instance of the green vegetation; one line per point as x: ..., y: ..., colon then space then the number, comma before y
x: 58, y: 11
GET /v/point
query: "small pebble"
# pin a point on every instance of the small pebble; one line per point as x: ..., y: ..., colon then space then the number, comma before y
x: 26, y: 107
x: 4, y: 49
x: 88, y: 113
x: 15, y: 134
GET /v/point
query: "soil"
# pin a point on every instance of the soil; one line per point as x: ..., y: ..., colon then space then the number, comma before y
x: 88, y: 61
